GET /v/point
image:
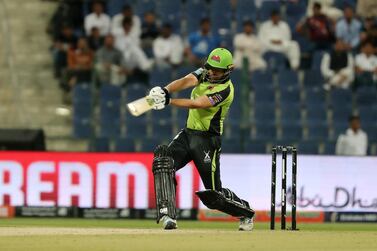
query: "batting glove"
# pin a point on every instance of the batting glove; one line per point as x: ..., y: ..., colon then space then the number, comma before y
x: 158, y: 92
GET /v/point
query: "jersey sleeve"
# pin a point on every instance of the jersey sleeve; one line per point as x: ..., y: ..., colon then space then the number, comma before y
x: 218, y: 97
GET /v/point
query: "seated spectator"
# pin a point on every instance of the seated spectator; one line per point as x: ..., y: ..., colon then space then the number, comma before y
x: 275, y: 36
x: 95, y: 40
x: 247, y: 45
x: 337, y: 67
x: 367, y: 8
x: 80, y: 63
x: 327, y: 8
x: 167, y: 48
x: 149, y: 31
x: 348, y: 29
x: 201, y: 43
x: 109, y: 64
x: 369, y: 31
x: 97, y: 19
x: 354, y: 141
x: 116, y: 22
x: 318, y: 28
x: 64, y: 40
x: 366, y: 66
x: 136, y: 61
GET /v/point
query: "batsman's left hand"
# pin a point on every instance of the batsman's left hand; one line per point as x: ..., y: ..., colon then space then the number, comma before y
x: 160, y: 93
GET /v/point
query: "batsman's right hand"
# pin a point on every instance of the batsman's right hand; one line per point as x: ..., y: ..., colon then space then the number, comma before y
x: 160, y: 92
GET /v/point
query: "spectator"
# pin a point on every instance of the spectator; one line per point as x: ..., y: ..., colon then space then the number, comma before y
x: 318, y: 28
x: 97, y: 19
x: 116, y: 22
x: 366, y: 66
x: 63, y: 41
x: 109, y: 64
x: 201, y: 43
x: 149, y: 31
x: 95, y: 40
x: 167, y: 48
x: 80, y: 63
x: 247, y: 45
x: 348, y: 29
x: 275, y: 36
x: 327, y: 8
x: 354, y: 141
x: 134, y: 57
x: 337, y: 67
x: 369, y: 31
x: 367, y: 8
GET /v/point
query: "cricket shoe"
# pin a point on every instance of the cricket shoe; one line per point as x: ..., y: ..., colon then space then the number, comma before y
x: 168, y: 223
x: 246, y: 224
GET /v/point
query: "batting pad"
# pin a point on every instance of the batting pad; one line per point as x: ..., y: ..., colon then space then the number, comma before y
x: 217, y: 200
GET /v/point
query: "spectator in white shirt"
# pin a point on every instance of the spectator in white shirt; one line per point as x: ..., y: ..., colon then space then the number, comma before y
x: 116, y: 22
x: 247, y: 45
x: 354, y: 141
x: 167, y: 48
x: 337, y: 67
x: 97, y: 19
x: 327, y: 8
x: 275, y: 36
x: 366, y: 66
x: 134, y: 56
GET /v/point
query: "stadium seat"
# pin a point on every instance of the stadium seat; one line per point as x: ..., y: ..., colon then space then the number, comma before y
x: 110, y: 110
x: 99, y: 145
x: 221, y: 18
x: 316, y: 60
x: 341, y: 97
x: 135, y: 91
x: 313, y: 78
x: 266, y: 8
x: 110, y: 128
x: 160, y: 76
x: 136, y: 128
x: 329, y: 148
x: 255, y: 147
x: 82, y: 128
x: 291, y: 132
x: 295, y: 9
x: 366, y: 95
x: 231, y: 146
x: 162, y: 130
x: 317, y: 132
x: 275, y: 60
x: 316, y: 115
x: 368, y: 115
x: 307, y: 147
x: 287, y: 78
x: 289, y: 95
x: 261, y: 78
x: 265, y: 95
x: 110, y: 92
x: 124, y: 145
x: 264, y: 112
x: 149, y: 144
x: 82, y: 92
x: 315, y: 96
x: 265, y: 131
x: 341, y: 113
x: 290, y: 114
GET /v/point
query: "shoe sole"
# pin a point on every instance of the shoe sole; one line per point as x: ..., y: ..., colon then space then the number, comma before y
x: 170, y: 226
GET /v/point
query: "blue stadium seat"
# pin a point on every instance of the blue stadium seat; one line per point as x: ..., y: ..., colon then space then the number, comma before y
x: 124, y: 145
x: 82, y: 128
x: 183, y: 70
x: 266, y: 8
x: 341, y: 97
x: 265, y: 95
x: 82, y: 101
x: 160, y: 76
x: 163, y: 116
x: 110, y: 110
x: 261, y: 78
x: 306, y: 46
x: 366, y: 95
x: 368, y: 115
x: 264, y: 113
x: 143, y: 6
x: 99, y: 145
x: 265, y: 131
x: 82, y: 92
x: 290, y: 114
x: 115, y: 6
x: 162, y: 130
x: 339, y: 128
x: 82, y: 110
x: 289, y: 95
x: 135, y: 91
x: 182, y: 114
x: 316, y: 115
x: 313, y: 78
x: 317, y: 132
x: 291, y: 132
x: 295, y: 9
x: 255, y: 147
x: 149, y: 144
x: 275, y: 60
x: 136, y: 128
x: 315, y: 96
x: 288, y: 78
x: 342, y: 3
x: 221, y: 18
x: 110, y: 128
x: 329, y: 148
x: 196, y: 9
x: 231, y: 146
x: 110, y: 92
x: 341, y: 113
x: 316, y: 60
x: 307, y: 147
x: 371, y: 131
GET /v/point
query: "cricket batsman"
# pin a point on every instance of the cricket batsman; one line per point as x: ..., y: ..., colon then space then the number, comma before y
x: 200, y: 140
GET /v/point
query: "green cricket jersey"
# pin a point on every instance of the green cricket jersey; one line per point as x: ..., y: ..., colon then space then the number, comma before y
x: 220, y: 95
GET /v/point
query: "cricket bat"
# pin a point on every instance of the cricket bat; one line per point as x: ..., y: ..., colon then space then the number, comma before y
x: 140, y: 106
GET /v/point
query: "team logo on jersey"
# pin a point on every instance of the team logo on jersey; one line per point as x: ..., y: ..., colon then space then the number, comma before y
x: 216, y: 58
x: 207, y: 158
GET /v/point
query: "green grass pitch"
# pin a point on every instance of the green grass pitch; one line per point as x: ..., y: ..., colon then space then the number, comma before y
x: 85, y: 234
